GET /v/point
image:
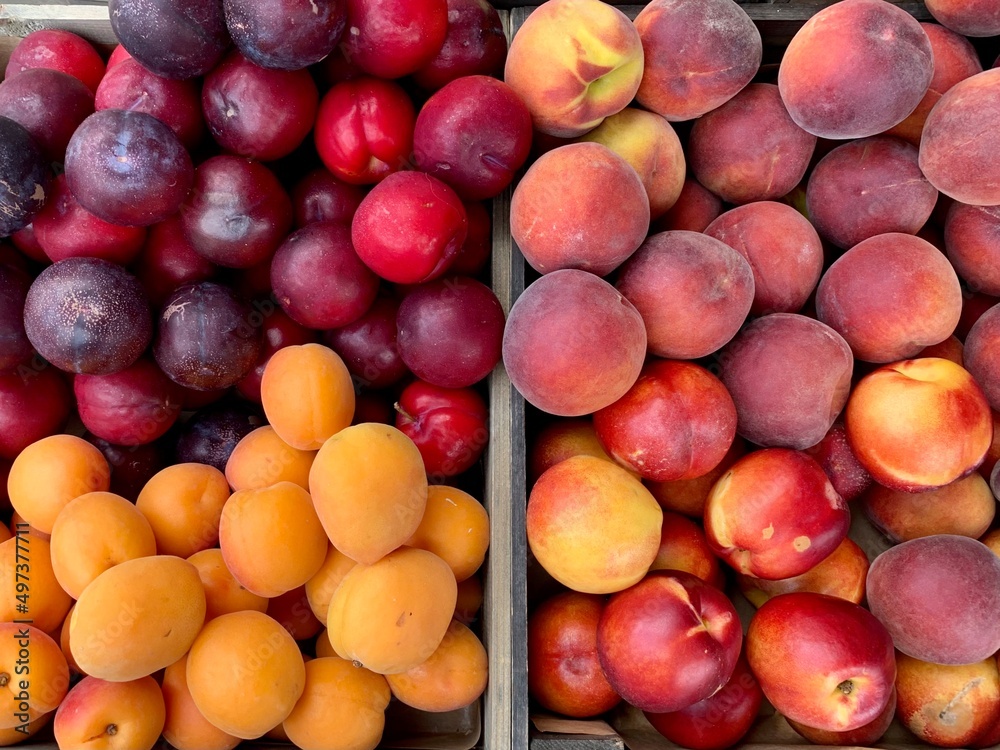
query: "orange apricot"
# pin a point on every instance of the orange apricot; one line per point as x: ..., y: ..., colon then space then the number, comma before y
x: 103, y: 715
x: 183, y: 504
x: 18, y: 734
x: 320, y: 588
x: 34, y: 676
x: 262, y: 458
x: 456, y: 528
x: 323, y: 645
x: 470, y: 600
x: 185, y: 727
x: 223, y: 593
x: 307, y: 394
x: 64, y: 642
x: 31, y: 591
x: 17, y: 522
x: 292, y: 610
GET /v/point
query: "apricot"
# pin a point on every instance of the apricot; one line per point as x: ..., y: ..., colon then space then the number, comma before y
x: 291, y: 609
x: 391, y: 616
x: 262, y: 458
x: 323, y: 646
x: 369, y: 488
x: 308, y: 395
x: 183, y: 504
x: 39, y: 597
x: 320, y: 588
x: 16, y: 735
x: 104, y: 715
x: 456, y: 528
x: 271, y: 539
x: 95, y: 532
x: 688, y: 496
x: 245, y: 673
x: 342, y: 707
x: 470, y: 600
x: 223, y: 593
x: 452, y: 677
x: 70, y: 467
x: 29, y: 657
x: 592, y: 525
x: 185, y: 728
x: 137, y: 617
x: 64, y: 642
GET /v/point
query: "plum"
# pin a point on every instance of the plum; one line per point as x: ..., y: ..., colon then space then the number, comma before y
x: 474, y: 45
x: 319, y: 196
x: 393, y: 38
x: 211, y: 435
x: 50, y: 105
x: 285, y: 34
x: 279, y: 331
x: 24, y: 177
x: 475, y: 253
x: 57, y: 50
x: 368, y: 346
x: 206, y: 339
x: 87, y: 315
x: 128, y: 167
x: 132, y: 465
x: 167, y: 261
x: 34, y: 403
x: 15, y: 349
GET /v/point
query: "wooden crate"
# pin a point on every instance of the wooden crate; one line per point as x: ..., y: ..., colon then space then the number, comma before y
x: 487, y: 724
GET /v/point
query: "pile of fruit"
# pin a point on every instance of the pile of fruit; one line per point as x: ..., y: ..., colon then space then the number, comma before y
x: 761, y: 300
x: 245, y: 327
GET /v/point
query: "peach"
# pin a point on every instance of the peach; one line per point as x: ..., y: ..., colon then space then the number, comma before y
x: 688, y: 496
x: 453, y: 677
x: 938, y: 597
x: 695, y: 209
x: 308, y: 395
x: 821, y: 661
x: 137, y: 617
x: 866, y: 735
x: 320, y: 588
x: 965, y: 507
x: 184, y: 727
x: 868, y: 187
x: 951, y: 348
x: 592, y: 58
x: 955, y: 59
x: 183, y: 504
x: 993, y: 454
x: 71, y: 467
x: 973, y: 307
x: 676, y: 422
x: 592, y: 525
x: 564, y: 671
x: 596, y: 235
x: 749, y: 149
x: 842, y: 574
x: 918, y: 424
x: 95, y: 532
x: 292, y: 611
x: 774, y: 515
x: 102, y: 715
x: 959, y: 145
x: 562, y: 439
x: 947, y: 706
x: 223, y: 593
x: 783, y: 250
x: 40, y: 598
x: 271, y: 539
x: 370, y: 490
x: 262, y: 458
x: 698, y: 55
x: 342, y: 707
x: 968, y: 17
x: 456, y: 528
x: 651, y: 147
x: 245, y: 673
x: 971, y: 242
x: 683, y: 547
x: 34, y: 676
x: 669, y: 641
x: 982, y: 354
x: 834, y: 455
x: 391, y: 616
x: 880, y: 72
x: 565, y: 368
x: 789, y: 377
x: 692, y: 291
x: 890, y: 296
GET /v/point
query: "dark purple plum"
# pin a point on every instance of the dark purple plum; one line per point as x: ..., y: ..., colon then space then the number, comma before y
x: 34, y: 403
x: 286, y: 34
x: 15, y: 349
x: 49, y: 104
x: 128, y: 168
x: 86, y: 315
x: 172, y: 38
x: 473, y: 135
x: 256, y: 112
x: 24, y: 177
x: 475, y: 45
x: 319, y: 196
x: 368, y: 346
x: 133, y: 465
x: 65, y: 229
x: 167, y: 261
x: 132, y: 407
x: 206, y: 339
x: 128, y: 85
x: 478, y: 247
x: 210, y: 435
x: 237, y: 214
x: 450, y: 331
x: 319, y: 280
